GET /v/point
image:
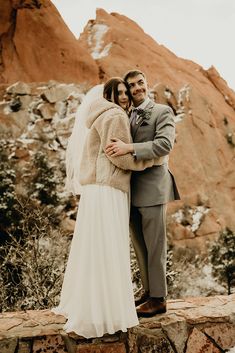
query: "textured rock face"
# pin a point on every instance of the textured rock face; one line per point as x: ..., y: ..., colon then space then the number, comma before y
x: 36, y: 45
x: 193, y: 325
x: 37, y: 118
x: 119, y: 44
x: 203, y: 156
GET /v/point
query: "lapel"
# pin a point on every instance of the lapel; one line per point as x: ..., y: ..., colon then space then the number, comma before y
x: 143, y: 118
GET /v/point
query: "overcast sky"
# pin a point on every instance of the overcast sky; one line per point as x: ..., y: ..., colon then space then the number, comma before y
x: 200, y: 30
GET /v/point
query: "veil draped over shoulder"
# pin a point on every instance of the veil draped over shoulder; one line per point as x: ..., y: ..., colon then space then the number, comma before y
x: 77, y: 140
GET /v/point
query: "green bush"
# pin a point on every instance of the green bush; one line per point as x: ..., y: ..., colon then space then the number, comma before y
x: 222, y: 255
x: 9, y: 216
x: 44, y: 183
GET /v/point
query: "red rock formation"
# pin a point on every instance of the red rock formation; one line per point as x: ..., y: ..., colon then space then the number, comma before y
x: 221, y: 85
x: 119, y: 44
x: 36, y: 45
x: 204, y: 154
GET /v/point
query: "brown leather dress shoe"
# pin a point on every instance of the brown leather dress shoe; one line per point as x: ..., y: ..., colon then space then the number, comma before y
x: 142, y: 299
x: 151, y: 307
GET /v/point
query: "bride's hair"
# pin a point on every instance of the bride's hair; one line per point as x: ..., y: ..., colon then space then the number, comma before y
x: 111, y: 90
x: 77, y: 139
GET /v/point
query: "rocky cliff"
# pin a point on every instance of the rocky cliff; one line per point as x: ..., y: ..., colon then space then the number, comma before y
x: 204, y: 153
x: 36, y: 45
x: 203, y: 156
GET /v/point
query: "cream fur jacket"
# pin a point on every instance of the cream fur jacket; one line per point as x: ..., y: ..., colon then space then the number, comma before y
x: 106, y: 121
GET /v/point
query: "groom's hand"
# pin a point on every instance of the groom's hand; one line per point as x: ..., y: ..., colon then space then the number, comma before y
x: 118, y: 148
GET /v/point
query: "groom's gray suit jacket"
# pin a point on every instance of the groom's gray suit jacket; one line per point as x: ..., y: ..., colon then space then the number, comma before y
x: 153, y: 136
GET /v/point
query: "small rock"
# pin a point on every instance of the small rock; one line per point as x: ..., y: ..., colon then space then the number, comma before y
x: 20, y: 88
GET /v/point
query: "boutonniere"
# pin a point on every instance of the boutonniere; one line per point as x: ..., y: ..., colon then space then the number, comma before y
x: 145, y: 114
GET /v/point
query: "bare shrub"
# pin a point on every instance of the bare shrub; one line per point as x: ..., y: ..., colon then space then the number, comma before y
x: 193, y: 275
x: 32, y: 266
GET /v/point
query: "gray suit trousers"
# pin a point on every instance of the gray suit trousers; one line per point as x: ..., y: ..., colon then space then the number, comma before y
x: 148, y: 225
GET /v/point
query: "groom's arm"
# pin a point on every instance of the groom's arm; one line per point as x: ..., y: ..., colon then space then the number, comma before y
x: 118, y: 124
x: 163, y: 141
x: 161, y: 145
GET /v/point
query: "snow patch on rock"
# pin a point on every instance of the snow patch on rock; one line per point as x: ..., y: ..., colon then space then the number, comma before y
x: 96, y: 42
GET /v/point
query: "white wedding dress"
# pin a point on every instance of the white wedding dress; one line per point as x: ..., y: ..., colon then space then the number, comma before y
x: 97, y: 294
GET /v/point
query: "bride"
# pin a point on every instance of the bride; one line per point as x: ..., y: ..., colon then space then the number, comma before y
x: 97, y: 295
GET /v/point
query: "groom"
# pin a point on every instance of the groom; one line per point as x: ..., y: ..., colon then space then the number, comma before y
x: 153, y: 133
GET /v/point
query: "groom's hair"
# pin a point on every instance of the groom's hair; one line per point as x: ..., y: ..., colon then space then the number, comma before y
x: 133, y: 73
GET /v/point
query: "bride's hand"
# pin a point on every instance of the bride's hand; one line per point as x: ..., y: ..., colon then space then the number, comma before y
x: 118, y: 148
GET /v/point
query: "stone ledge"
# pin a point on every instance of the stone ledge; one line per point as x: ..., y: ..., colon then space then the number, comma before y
x: 191, y: 325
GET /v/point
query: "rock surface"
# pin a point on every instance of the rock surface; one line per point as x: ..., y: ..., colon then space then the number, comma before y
x: 204, y: 154
x: 42, y: 116
x: 191, y: 325
x: 37, y: 46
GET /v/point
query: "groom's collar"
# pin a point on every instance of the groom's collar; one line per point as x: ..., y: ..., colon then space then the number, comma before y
x: 144, y: 104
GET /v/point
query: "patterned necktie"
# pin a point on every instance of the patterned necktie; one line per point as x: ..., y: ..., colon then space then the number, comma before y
x: 133, y: 117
